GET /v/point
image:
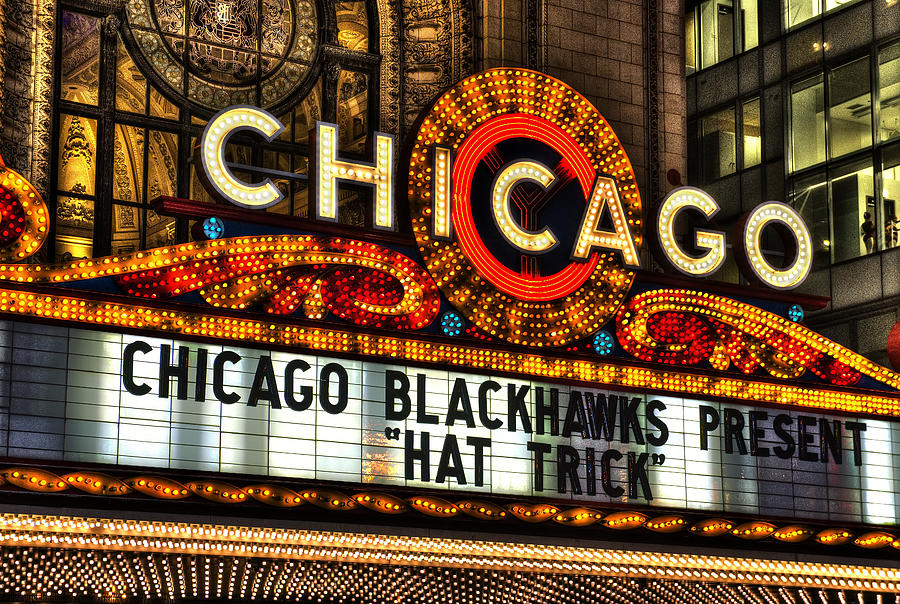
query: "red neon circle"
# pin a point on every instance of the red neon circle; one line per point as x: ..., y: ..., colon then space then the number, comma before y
x: 476, y: 145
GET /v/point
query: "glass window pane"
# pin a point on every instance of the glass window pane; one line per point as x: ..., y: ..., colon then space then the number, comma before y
x: 160, y: 230
x: 353, y: 110
x: 752, y: 134
x: 128, y: 166
x: 308, y: 113
x: 832, y: 4
x: 799, y: 11
x: 131, y: 85
x: 74, y: 228
x: 690, y: 41
x: 353, y: 25
x: 161, y: 107
x: 889, y: 91
x: 126, y: 229
x: 809, y: 196
x: 890, y: 195
x: 716, y: 31
x: 853, y: 215
x: 77, y: 154
x: 162, y: 159
x: 198, y: 191
x: 281, y: 162
x: 749, y: 25
x: 80, y: 68
x: 850, y: 106
x: 717, y: 145
x: 807, y: 123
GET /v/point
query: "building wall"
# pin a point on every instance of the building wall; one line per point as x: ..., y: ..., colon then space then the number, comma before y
x: 607, y: 51
x: 865, y: 291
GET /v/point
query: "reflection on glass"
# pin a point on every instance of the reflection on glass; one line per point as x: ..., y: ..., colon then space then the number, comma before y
x: 128, y: 164
x: 198, y: 191
x: 131, y: 85
x: 716, y: 31
x: 74, y: 228
x: 890, y: 195
x: 798, y: 11
x: 752, y: 135
x: 717, y: 144
x: 161, y: 107
x: 80, y: 69
x: 830, y: 4
x: 126, y: 229
x: 810, y: 198
x: 281, y: 162
x: 162, y: 159
x: 850, y: 107
x: 889, y: 92
x: 353, y: 25
x: 77, y: 162
x: 807, y: 123
x: 353, y: 106
x: 690, y: 41
x: 853, y: 214
x: 160, y: 230
x: 749, y: 25
x: 308, y: 113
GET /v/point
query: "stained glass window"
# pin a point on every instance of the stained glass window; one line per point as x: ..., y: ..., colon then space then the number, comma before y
x: 135, y: 95
x: 256, y: 52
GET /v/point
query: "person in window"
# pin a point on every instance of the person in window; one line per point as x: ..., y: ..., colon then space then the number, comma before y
x: 868, y: 232
x: 891, y: 230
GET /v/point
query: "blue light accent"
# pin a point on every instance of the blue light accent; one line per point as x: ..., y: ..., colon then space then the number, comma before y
x: 451, y: 323
x: 602, y: 343
x: 795, y: 313
x: 213, y: 228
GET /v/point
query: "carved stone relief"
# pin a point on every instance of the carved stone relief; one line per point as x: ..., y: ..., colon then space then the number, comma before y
x: 437, y: 50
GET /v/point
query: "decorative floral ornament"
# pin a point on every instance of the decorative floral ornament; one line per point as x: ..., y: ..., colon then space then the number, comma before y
x: 357, y: 281
x: 23, y: 216
x: 680, y: 327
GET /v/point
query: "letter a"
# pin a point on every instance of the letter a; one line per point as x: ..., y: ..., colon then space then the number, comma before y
x: 605, y: 194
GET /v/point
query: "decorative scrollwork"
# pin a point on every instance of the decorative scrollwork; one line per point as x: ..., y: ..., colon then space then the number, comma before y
x: 680, y: 327
x: 356, y: 281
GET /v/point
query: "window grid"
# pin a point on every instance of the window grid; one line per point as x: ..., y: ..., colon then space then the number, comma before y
x: 178, y: 122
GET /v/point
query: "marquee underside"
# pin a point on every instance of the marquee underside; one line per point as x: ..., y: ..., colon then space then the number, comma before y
x: 59, y: 558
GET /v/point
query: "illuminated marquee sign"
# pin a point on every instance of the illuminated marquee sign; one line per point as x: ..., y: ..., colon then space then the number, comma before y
x: 504, y: 348
x: 154, y: 403
x: 498, y: 160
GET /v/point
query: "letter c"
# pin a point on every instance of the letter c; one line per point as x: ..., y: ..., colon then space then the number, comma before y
x: 513, y: 174
x: 210, y: 154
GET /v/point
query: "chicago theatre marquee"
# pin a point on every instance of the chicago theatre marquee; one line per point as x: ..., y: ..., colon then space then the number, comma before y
x: 299, y: 305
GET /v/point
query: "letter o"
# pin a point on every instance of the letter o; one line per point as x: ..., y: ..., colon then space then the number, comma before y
x: 752, y: 226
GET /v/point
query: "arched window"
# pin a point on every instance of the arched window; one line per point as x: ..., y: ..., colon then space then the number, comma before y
x: 136, y: 88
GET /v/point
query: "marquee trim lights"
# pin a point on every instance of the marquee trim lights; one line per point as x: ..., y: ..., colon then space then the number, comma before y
x: 211, y: 155
x: 329, y: 338
x: 24, y: 218
x: 678, y: 327
x: 74, y: 533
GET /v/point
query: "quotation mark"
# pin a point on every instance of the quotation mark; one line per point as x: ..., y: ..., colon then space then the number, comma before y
x: 659, y: 459
x: 392, y: 433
